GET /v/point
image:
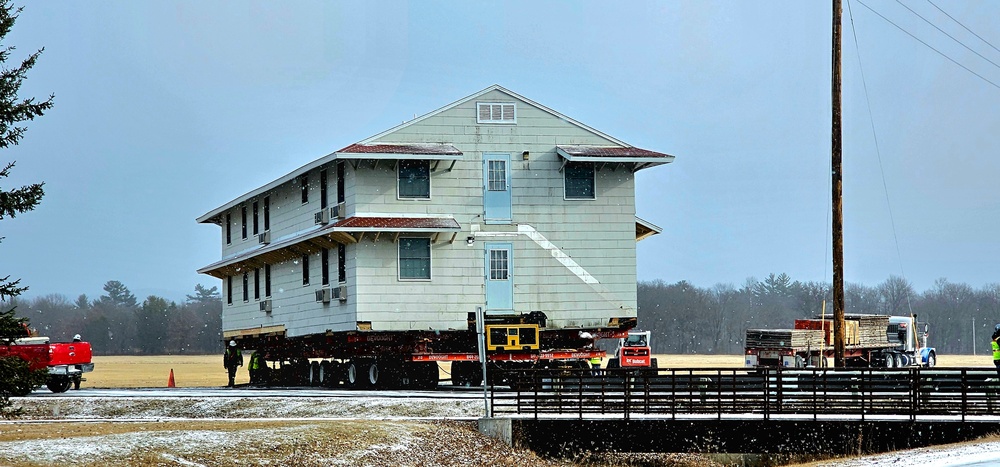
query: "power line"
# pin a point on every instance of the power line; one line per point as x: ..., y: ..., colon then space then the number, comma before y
x: 878, y: 152
x: 929, y: 46
x: 945, y: 33
x: 964, y: 26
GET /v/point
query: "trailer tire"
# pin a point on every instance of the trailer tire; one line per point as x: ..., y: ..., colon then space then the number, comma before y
x: 326, y: 378
x: 58, y: 385
x: 356, y: 374
x: 374, y: 376
x: 890, y: 360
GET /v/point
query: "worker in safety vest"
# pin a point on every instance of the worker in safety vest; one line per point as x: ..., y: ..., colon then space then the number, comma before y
x: 232, y: 359
x: 995, y: 343
x: 595, y: 364
x: 255, y: 363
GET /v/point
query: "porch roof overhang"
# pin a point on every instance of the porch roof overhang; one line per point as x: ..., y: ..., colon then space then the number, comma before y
x: 645, y: 229
x: 413, y: 151
x: 345, y: 231
x: 634, y: 158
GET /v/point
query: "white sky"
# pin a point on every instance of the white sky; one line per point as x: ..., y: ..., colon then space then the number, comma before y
x: 165, y: 110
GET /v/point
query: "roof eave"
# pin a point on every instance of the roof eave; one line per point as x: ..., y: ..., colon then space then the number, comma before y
x: 393, y: 156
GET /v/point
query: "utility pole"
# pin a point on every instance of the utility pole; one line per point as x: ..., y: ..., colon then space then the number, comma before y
x: 838, y: 206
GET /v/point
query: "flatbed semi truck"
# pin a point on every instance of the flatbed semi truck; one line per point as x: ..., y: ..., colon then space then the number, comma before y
x: 877, y: 341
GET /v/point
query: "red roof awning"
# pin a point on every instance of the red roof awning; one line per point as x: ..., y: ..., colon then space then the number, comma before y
x: 638, y: 158
x: 397, y: 224
x: 425, y: 151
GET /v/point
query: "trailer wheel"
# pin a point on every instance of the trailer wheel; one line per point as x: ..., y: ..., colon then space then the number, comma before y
x: 375, y: 379
x: 355, y: 372
x: 58, y: 385
x: 890, y: 361
x: 900, y: 362
x: 326, y: 378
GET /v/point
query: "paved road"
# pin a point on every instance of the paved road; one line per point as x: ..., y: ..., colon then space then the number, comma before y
x: 244, y: 392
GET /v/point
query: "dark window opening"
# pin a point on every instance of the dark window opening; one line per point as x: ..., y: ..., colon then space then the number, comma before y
x: 229, y: 290
x: 414, y: 179
x: 322, y: 189
x: 579, y: 180
x: 229, y: 229
x: 325, y: 265
x: 246, y: 287
x: 256, y: 284
x: 305, y: 269
x: 341, y: 263
x: 267, y: 280
x: 267, y: 213
x: 304, y: 183
x: 256, y: 223
x: 340, y: 182
x: 243, y: 213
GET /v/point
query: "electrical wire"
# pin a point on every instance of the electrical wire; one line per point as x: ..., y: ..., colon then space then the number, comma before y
x: 878, y: 152
x: 945, y: 33
x: 964, y: 26
x: 926, y: 44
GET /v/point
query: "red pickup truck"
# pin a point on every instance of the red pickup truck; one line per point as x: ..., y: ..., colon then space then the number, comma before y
x: 66, y: 361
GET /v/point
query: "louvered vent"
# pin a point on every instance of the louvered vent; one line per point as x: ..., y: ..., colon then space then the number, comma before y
x: 496, y: 112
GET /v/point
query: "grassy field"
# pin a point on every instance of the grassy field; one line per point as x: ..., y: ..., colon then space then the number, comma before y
x: 207, y: 370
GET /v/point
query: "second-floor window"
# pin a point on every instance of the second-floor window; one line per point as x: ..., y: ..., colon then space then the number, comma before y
x: 256, y: 223
x: 341, y: 263
x: 414, y: 179
x: 304, y: 188
x: 229, y: 290
x: 267, y: 213
x: 322, y: 189
x: 243, y: 213
x: 246, y: 287
x: 256, y: 284
x: 325, y: 266
x: 267, y: 280
x: 579, y: 178
x: 229, y: 229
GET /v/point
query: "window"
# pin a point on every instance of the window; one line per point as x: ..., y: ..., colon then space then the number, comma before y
x: 305, y: 269
x: 579, y: 180
x: 496, y: 112
x: 322, y: 189
x: 341, y: 263
x: 340, y: 182
x: 267, y: 280
x: 414, y: 179
x: 246, y: 287
x: 256, y: 284
x: 243, y: 212
x: 497, y: 175
x: 304, y: 184
x: 414, y: 258
x: 499, y: 267
x: 325, y: 266
x: 256, y: 224
x: 267, y: 213
x: 229, y: 230
x: 229, y: 290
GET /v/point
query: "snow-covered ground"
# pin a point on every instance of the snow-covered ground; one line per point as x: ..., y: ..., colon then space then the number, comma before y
x: 964, y: 455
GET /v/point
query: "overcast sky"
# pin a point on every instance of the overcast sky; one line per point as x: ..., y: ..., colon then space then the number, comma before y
x: 166, y: 110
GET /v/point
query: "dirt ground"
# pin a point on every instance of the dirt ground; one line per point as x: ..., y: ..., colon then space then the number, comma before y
x: 207, y: 370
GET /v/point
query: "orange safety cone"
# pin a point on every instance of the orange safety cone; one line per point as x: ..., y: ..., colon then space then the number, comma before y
x: 170, y: 381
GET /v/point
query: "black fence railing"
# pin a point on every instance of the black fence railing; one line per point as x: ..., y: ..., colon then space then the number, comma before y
x: 955, y: 392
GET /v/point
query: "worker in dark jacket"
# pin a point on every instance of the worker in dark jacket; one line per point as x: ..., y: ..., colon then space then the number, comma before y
x: 232, y: 360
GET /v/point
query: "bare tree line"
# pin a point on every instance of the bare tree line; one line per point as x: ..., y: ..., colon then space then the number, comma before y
x: 686, y: 319
x: 117, y: 324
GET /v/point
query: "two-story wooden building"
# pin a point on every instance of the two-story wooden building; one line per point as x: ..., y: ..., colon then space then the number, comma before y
x: 377, y: 253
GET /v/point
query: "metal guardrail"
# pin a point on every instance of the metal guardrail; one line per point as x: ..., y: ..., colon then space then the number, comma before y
x: 762, y: 393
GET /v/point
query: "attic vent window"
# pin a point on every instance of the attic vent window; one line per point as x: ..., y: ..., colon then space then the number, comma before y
x: 496, y: 112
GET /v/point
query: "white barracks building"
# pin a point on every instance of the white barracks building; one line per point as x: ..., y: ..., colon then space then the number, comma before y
x: 493, y: 201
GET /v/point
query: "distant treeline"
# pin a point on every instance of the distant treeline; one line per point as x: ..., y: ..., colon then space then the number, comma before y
x: 686, y: 319
x: 117, y: 324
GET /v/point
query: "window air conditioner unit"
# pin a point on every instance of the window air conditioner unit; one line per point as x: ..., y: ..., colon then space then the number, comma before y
x: 340, y: 293
x: 339, y: 211
x: 322, y: 217
x: 323, y: 295
x: 265, y: 305
x: 264, y: 238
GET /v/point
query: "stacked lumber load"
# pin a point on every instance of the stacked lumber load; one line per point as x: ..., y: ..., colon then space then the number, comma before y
x: 784, y: 338
x: 871, y: 329
x: 852, y: 335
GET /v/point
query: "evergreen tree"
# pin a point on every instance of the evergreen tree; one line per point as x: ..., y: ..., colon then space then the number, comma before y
x: 14, y: 110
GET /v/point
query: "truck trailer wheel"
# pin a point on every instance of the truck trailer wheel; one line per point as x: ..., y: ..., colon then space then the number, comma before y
x: 58, y: 385
x: 314, y: 374
x: 931, y: 360
x: 357, y: 374
x: 890, y: 361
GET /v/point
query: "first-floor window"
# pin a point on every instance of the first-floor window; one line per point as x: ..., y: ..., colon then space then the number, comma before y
x: 256, y: 284
x: 246, y: 287
x: 414, y: 258
x: 325, y: 266
x: 341, y: 263
x: 267, y: 280
x: 305, y: 269
x: 229, y: 290
x: 579, y: 180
